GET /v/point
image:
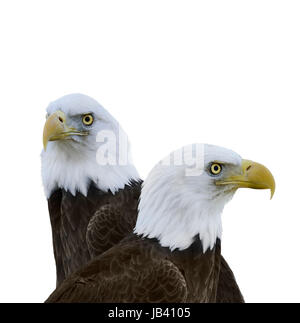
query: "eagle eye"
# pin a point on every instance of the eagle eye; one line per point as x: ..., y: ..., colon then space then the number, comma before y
x: 215, y: 169
x: 87, y: 119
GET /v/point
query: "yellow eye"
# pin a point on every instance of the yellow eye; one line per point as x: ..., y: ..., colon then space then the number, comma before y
x: 215, y: 169
x: 88, y: 119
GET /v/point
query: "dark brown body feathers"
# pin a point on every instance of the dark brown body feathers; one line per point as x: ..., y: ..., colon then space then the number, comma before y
x: 140, y: 270
x: 136, y: 270
x: 85, y: 226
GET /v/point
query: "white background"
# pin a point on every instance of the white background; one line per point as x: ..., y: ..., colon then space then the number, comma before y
x: 172, y: 72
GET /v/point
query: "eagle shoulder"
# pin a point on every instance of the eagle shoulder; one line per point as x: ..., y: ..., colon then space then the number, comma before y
x: 126, y: 273
x: 113, y: 221
x: 110, y: 224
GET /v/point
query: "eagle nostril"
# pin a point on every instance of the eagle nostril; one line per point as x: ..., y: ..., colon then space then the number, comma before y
x: 248, y: 168
x: 60, y: 119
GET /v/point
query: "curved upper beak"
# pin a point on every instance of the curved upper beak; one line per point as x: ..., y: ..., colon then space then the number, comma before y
x: 253, y: 175
x: 56, y: 129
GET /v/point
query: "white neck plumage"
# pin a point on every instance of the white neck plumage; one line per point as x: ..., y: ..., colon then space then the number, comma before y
x: 64, y: 168
x: 176, y: 226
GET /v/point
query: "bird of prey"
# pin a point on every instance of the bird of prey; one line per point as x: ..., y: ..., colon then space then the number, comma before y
x: 89, y: 179
x: 174, y: 253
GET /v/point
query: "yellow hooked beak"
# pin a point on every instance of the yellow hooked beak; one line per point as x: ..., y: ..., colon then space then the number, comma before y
x: 56, y: 129
x: 253, y: 175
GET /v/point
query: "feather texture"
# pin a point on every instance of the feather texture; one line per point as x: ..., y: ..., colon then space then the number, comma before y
x: 139, y: 270
x: 95, y: 224
x: 76, y: 222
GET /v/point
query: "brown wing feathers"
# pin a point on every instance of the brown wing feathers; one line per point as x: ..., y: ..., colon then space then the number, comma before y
x: 107, y: 227
x: 125, y: 273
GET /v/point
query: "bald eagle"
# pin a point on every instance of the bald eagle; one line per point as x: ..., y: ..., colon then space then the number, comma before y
x: 92, y: 190
x: 174, y: 253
